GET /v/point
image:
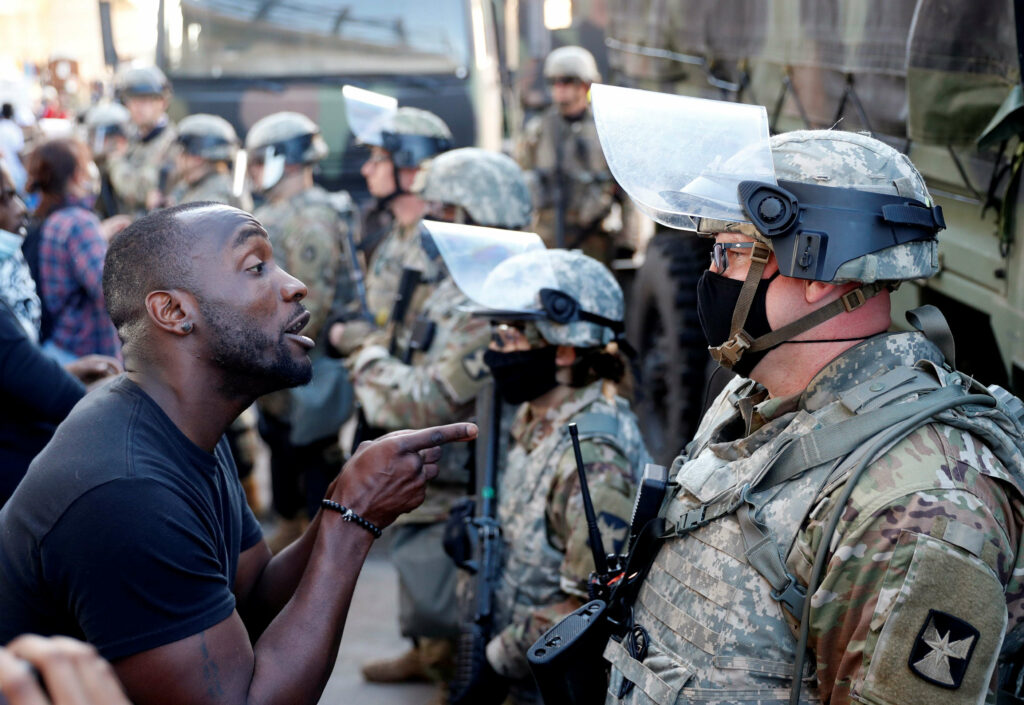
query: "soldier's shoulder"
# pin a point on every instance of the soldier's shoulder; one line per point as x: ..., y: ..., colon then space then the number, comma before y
x: 934, y: 458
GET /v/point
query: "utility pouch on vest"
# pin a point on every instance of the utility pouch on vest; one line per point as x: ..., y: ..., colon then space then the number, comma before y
x: 422, y: 335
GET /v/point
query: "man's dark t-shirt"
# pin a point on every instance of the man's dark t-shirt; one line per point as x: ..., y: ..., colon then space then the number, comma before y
x: 124, y: 533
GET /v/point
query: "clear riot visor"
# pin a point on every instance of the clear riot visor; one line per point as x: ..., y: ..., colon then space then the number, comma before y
x: 480, y: 261
x: 682, y: 159
x: 367, y: 112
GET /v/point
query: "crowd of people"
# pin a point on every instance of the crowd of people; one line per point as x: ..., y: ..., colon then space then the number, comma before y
x: 165, y: 320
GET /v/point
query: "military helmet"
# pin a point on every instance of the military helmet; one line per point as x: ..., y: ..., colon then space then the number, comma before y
x: 409, y: 135
x: 291, y: 135
x: 489, y: 186
x: 573, y: 62
x: 208, y: 136
x: 107, y: 119
x: 851, y: 160
x: 142, y: 81
x: 576, y: 300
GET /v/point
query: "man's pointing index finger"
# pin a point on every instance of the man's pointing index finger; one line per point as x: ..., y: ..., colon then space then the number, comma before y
x: 437, y: 435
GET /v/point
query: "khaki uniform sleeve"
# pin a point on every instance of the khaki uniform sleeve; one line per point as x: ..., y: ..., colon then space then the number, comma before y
x: 912, y: 606
x: 526, y: 148
x: 394, y: 395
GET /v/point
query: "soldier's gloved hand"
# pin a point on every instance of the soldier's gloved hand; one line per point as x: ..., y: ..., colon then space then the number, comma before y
x: 506, y: 657
x: 347, y: 337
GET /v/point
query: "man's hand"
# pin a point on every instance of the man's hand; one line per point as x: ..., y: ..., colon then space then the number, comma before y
x: 113, y: 225
x: 73, y: 672
x: 347, y: 337
x: 388, y: 476
x: 92, y: 368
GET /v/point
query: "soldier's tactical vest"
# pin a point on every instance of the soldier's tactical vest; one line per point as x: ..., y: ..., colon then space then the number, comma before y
x: 531, y: 568
x: 713, y: 602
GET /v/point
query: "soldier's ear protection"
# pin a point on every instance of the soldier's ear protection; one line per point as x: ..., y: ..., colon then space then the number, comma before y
x: 560, y: 307
x: 815, y: 229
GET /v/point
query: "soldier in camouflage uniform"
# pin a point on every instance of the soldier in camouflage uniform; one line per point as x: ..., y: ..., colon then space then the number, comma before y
x: 560, y: 364
x: 141, y: 171
x: 438, y: 379
x: 308, y: 229
x: 920, y: 581
x: 562, y: 155
x: 106, y: 127
x: 207, y: 145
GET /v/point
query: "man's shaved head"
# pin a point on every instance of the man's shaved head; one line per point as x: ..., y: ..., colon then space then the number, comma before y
x: 151, y: 254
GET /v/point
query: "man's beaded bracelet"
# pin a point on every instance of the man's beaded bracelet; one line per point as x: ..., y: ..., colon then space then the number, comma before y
x: 348, y: 515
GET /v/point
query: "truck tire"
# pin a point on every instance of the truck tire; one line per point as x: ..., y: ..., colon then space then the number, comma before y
x: 672, y: 352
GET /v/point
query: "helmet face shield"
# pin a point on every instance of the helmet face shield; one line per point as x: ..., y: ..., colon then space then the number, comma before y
x: 273, y: 168
x: 682, y: 159
x: 366, y: 112
x: 472, y: 254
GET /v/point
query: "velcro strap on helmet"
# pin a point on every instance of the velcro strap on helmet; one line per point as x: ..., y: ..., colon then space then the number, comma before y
x: 918, y: 216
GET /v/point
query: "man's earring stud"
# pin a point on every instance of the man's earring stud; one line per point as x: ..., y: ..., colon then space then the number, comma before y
x: 186, y: 327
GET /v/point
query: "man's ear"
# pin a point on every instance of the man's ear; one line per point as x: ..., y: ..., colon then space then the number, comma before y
x: 565, y: 356
x: 173, y: 311
x: 818, y: 291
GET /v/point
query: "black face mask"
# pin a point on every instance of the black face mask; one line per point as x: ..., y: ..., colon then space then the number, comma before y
x: 716, y: 299
x: 523, y: 375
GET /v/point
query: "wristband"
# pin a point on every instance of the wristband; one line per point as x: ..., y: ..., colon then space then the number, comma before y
x: 348, y: 515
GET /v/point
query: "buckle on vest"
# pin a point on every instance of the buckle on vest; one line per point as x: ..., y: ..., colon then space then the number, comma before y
x: 692, y: 519
x: 792, y: 597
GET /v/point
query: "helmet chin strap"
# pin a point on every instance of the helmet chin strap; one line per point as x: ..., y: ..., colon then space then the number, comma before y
x: 728, y: 353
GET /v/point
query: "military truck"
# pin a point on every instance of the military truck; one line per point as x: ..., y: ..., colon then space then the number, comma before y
x: 937, y: 79
x: 245, y: 59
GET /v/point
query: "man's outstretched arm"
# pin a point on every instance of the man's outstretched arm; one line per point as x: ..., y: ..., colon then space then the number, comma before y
x: 292, y: 660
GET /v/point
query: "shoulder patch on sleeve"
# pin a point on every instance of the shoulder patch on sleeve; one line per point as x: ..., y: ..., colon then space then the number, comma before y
x: 943, y: 649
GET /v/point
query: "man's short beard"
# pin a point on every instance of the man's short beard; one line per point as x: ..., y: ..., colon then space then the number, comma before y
x: 239, y: 347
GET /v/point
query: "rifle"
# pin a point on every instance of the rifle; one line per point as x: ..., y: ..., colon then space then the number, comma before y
x: 406, y: 287
x: 565, y: 659
x: 474, y: 682
x: 344, y: 208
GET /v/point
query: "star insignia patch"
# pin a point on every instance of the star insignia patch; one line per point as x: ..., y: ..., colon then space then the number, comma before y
x: 943, y: 650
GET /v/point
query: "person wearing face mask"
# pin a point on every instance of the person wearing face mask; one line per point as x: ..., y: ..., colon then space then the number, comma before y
x: 72, y: 245
x: 435, y: 375
x: 846, y: 524
x: 555, y: 354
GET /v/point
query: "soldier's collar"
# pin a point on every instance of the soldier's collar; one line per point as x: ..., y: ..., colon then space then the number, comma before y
x: 157, y: 130
x: 864, y: 361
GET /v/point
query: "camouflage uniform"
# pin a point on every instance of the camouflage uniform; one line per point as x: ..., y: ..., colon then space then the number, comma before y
x: 400, y: 249
x: 306, y: 232
x: 547, y: 556
x: 212, y: 139
x: 932, y: 525
x: 565, y: 153
x: 146, y: 166
x: 589, y: 188
x: 438, y: 384
x: 921, y: 580
x: 214, y: 186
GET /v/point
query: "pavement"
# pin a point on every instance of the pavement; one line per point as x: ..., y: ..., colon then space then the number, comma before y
x: 372, y: 632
